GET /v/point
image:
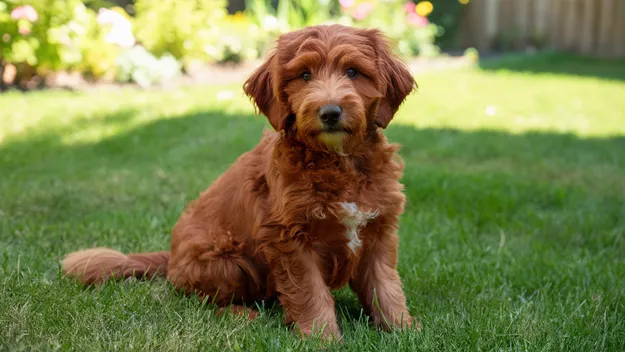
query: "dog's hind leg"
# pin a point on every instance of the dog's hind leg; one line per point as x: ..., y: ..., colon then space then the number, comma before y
x: 215, y: 267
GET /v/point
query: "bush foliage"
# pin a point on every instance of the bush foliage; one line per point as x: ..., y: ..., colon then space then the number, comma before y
x: 97, y: 40
x: 47, y: 36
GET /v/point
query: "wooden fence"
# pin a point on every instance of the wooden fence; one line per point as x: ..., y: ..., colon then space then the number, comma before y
x: 593, y: 27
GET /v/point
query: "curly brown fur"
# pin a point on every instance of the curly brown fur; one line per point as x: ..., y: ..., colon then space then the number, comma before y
x: 307, y: 210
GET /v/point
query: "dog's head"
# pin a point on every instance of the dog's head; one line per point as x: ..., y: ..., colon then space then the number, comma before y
x: 329, y: 86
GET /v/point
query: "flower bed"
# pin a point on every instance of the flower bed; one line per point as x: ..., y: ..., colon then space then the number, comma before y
x: 166, y: 38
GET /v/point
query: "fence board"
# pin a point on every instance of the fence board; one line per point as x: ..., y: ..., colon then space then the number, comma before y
x: 554, y: 28
x: 606, y: 28
x: 522, y: 19
x: 568, y: 28
x: 619, y: 30
x: 541, y: 14
x: 585, y: 26
x: 587, y: 38
x: 492, y: 22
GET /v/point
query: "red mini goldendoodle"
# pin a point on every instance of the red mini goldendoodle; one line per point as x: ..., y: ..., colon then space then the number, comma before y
x: 313, y: 207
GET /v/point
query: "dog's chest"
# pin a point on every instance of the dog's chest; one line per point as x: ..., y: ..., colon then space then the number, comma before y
x: 354, y: 219
x: 341, y: 222
x: 338, y: 237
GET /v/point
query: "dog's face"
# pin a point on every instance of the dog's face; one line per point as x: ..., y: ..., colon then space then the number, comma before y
x: 329, y: 86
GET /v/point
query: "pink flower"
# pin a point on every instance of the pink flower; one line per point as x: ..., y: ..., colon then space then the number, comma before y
x: 25, y: 12
x: 23, y: 30
x: 417, y: 20
x: 347, y: 3
x: 409, y: 7
x: 362, y: 11
x: 65, y: 40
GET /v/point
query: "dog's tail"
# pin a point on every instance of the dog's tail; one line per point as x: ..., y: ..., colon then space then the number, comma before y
x: 97, y: 265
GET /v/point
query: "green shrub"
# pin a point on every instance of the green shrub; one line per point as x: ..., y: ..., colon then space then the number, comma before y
x: 291, y: 14
x: 303, y: 13
x: 182, y: 28
x: 447, y: 14
x: 237, y: 38
x: 269, y: 21
x: 414, y: 34
x: 44, y: 36
x: 288, y: 15
x: 47, y: 35
x: 97, y: 55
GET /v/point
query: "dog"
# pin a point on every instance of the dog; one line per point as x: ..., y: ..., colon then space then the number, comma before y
x: 313, y: 207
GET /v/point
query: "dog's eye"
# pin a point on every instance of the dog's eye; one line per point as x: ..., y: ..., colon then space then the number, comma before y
x: 307, y: 76
x: 351, y: 73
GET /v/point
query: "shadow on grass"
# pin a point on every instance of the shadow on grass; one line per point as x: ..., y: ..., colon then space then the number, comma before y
x: 183, y: 154
x: 558, y: 63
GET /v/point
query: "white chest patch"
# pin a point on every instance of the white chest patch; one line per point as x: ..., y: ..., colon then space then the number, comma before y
x: 354, y: 219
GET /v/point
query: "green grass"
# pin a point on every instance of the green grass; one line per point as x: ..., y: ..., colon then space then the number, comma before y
x: 513, y: 238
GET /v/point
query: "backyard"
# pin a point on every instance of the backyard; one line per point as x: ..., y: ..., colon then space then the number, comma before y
x: 513, y: 237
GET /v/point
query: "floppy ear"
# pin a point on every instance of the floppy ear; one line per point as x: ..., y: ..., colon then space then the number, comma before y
x: 396, y: 79
x: 259, y: 87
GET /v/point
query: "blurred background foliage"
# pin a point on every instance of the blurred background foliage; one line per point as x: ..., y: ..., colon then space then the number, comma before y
x: 150, y: 41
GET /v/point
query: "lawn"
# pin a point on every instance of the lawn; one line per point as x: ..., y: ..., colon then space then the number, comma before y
x: 513, y: 237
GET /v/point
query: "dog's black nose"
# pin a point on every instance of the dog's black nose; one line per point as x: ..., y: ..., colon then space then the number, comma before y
x: 330, y: 114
